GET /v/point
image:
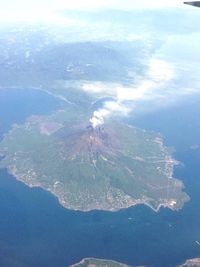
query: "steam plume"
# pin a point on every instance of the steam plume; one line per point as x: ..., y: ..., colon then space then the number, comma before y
x: 98, y: 117
x: 157, y: 77
x: 109, y: 108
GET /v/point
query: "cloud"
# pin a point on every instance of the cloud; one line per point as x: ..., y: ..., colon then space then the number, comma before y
x: 122, y: 5
x: 164, y: 83
x: 158, y: 75
x: 43, y: 10
x: 100, y: 88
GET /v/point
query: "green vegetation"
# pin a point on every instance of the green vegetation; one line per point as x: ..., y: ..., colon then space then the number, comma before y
x: 108, y: 168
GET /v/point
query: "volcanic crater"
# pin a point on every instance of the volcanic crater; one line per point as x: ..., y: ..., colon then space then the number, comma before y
x: 92, y: 142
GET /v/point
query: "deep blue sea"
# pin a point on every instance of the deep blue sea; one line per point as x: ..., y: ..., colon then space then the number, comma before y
x: 35, y: 231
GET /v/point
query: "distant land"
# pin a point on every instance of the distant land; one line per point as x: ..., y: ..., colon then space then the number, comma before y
x: 191, y: 263
x: 91, y: 262
x: 110, y: 167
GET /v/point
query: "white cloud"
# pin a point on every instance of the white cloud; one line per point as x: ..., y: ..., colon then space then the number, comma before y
x: 158, y: 75
x: 43, y: 10
x: 161, y: 86
x: 160, y: 70
x: 100, y: 88
x: 119, y: 4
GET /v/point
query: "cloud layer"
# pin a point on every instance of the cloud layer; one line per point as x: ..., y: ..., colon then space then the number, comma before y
x: 43, y: 10
x: 158, y: 75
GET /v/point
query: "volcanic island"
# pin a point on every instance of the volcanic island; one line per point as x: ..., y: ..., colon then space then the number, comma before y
x: 107, y: 167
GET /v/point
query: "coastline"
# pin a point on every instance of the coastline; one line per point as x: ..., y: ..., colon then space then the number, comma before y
x: 127, y: 200
x: 100, y: 262
x: 64, y: 204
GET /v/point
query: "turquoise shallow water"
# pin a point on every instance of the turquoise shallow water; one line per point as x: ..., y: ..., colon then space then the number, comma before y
x: 36, y: 231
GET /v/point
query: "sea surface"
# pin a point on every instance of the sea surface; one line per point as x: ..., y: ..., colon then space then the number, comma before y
x: 36, y: 231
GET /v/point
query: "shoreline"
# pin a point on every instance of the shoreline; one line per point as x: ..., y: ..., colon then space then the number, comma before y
x: 83, y: 261
x: 64, y: 205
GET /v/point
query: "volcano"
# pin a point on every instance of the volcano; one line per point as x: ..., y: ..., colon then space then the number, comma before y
x: 109, y: 167
x: 92, y: 143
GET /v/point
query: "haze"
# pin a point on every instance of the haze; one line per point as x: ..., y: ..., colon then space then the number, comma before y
x: 21, y: 10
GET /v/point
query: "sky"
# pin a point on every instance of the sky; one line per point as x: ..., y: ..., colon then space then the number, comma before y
x: 48, y: 10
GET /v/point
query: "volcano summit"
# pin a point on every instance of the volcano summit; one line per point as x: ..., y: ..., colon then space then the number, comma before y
x: 109, y: 167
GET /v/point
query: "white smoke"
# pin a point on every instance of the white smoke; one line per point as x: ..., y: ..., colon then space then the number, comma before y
x: 98, y: 117
x: 157, y: 76
x: 108, y: 109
